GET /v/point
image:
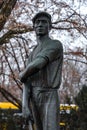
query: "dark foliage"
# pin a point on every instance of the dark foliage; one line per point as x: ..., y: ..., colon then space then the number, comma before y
x: 81, y: 101
x: 8, y: 121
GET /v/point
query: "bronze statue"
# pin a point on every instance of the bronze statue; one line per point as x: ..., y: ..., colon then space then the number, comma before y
x: 42, y: 75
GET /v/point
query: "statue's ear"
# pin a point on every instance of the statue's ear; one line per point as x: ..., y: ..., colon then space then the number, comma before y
x: 33, y: 27
x: 50, y: 26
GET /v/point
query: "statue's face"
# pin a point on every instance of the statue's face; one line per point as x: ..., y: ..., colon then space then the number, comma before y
x: 42, y: 26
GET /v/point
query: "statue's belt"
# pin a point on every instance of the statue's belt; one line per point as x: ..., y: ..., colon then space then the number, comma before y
x: 44, y: 89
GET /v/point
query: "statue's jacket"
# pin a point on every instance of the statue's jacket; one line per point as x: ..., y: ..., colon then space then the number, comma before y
x: 50, y: 75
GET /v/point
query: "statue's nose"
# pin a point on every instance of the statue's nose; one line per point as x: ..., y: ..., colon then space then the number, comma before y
x: 40, y: 23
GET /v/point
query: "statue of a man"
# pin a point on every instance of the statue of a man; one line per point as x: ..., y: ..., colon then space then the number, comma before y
x: 43, y: 72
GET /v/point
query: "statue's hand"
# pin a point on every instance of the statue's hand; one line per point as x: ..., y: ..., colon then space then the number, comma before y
x: 22, y: 77
x: 26, y: 113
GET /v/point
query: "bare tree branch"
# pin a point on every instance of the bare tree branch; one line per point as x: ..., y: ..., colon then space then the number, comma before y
x: 11, y: 33
x: 10, y: 97
x: 83, y: 62
x: 11, y: 70
x: 5, y: 11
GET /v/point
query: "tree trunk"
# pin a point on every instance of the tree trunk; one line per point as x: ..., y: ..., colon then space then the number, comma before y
x: 5, y: 10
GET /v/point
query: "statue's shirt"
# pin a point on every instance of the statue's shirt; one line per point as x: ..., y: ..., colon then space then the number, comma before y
x: 49, y: 75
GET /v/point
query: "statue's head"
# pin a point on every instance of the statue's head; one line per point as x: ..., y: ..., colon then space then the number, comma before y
x: 42, y: 23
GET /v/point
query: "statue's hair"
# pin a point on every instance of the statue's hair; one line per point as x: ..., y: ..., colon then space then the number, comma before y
x: 42, y: 14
